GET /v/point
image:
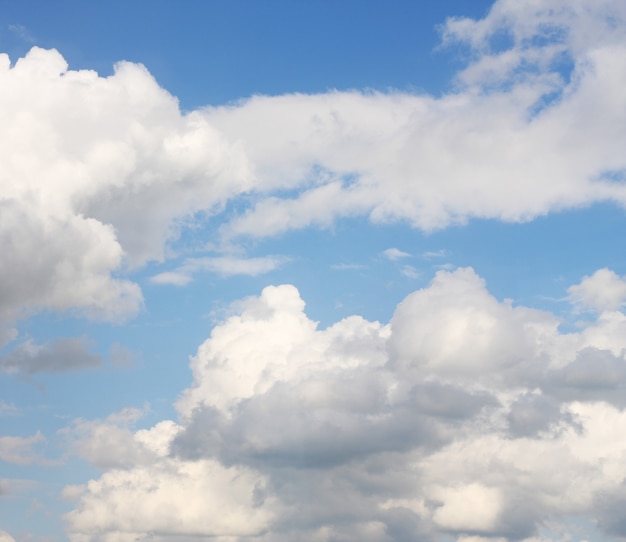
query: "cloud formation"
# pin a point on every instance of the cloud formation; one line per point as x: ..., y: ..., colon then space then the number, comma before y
x: 533, y: 127
x: 79, y: 155
x: 464, y: 415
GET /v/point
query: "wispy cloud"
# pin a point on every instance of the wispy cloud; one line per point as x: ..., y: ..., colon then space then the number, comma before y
x: 347, y: 266
x: 8, y: 409
x: 20, y: 450
x: 433, y: 254
x: 61, y: 355
x: 22, y: 33
x: 222, y: 265
x: 410, y: 272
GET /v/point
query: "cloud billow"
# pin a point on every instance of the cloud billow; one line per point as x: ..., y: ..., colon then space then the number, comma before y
x: 80, y: 154
x: 464, y: 416
x: 366, y: 428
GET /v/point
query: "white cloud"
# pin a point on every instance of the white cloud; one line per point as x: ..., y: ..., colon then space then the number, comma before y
x: 464, y: 416
x: 99, y: 173
x: 433, y: 254
x: 6, y: 537
x: 485, y: 156
x: 19, y: 450
x: 604, y: 290
x: 174, y: 278
x: 175, y: 499
x: 410, y: 272
x: 469, y: 508
x: 79, y: 156
x: 222, y: 265
x: 395, y: 254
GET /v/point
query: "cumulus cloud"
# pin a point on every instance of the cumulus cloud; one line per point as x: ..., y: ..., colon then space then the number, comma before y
x: 465, y: 415
x: 80, y: 154
x: 604, y: 290
x: 98, y: 174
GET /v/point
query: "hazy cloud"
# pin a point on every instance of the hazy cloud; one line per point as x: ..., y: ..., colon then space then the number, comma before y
x: 62, y: 355
x: 222, y: 265
x: 20, y: 450
x: 8, y: 409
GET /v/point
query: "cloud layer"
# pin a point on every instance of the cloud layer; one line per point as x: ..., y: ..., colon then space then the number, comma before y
x: 99, y: 174
x: 464, y: 415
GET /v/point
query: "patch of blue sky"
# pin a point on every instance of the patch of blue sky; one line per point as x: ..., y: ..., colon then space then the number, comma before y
x: 212, y: 53
x: 613, y: 175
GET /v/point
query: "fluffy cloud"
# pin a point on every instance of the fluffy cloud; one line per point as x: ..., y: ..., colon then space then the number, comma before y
x: 604, y: 290
x: 464, y: 415
x: 80, y: 154
x: 533, y: 128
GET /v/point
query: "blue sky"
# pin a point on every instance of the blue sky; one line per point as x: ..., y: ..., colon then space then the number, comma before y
x: 315, y: 271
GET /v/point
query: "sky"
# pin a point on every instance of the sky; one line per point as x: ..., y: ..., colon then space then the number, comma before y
x: 313, y: 271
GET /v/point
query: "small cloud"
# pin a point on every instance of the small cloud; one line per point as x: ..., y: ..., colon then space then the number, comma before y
x: 8, y: 409
x: 347, y: 266
x: 395, y: 254
x: 410, y: 272
x: 19, y: 450
x: 221, y: 265
x: 171, y: 277
x: 604, y: 290
x: 69, y: 354
x: 229, y: 265
x: 433, y: 254
x: 22, y: 33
